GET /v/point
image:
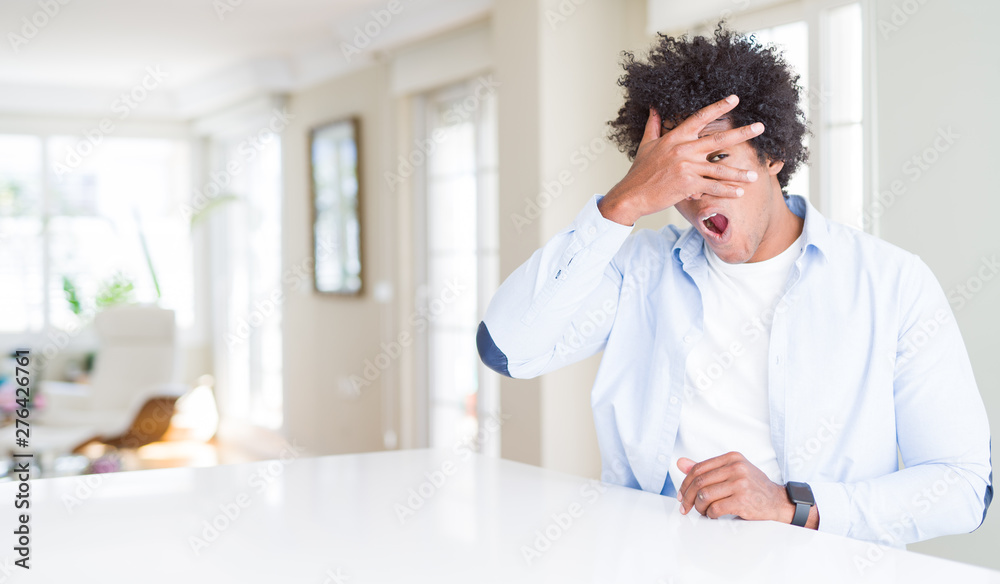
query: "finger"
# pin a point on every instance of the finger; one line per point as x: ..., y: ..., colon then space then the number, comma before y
x: 722, y: 506
x: 701, y: 468
x: 723, y: 172
x: 652, y: 131
x: 705, y: 497
x: 700, y: 484
x: 708, y: 186
x: 706, y: 115
x: 685, y: 464
x: 720, y: 140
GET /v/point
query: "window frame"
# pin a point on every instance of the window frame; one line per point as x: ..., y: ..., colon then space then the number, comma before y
x: 487, y: 385
x: 814, y: 14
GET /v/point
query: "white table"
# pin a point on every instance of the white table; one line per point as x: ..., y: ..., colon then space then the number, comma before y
x: 335, y: 519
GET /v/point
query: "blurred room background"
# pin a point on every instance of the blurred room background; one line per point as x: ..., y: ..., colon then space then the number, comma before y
x: 233, y: 227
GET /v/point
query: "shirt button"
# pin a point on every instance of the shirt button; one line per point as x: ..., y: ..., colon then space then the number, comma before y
x: 673, y: 399
x: 591, y: 230
x: 688, y: 338
x: 662, y: 458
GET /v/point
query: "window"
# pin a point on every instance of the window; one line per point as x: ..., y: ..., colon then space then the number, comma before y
x: 841, y: 119
x: 116, y: 215
x: 824, y: 42
x: 458, y: 269
x: 246, y: 275
x: 793, y: 38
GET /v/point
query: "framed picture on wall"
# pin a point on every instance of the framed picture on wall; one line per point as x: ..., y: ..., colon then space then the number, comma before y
x: 334, y: 164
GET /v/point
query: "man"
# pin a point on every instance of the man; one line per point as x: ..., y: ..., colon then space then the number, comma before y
x: 765, y: 362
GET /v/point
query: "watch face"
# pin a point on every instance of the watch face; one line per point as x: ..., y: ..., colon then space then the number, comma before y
x: 800, y: 493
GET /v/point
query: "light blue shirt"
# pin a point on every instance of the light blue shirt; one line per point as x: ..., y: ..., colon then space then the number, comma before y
x: 864, y: 356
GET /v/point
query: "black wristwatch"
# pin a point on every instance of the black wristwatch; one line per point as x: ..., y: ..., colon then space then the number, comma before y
x: 802, y: 495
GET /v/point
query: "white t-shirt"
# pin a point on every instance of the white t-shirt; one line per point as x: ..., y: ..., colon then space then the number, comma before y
x: 726, y: 400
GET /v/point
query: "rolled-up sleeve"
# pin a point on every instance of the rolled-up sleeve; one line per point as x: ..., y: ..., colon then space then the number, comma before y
x: 558, y: 306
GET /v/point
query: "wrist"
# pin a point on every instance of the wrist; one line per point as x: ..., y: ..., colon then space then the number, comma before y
x: 786, y: 510
x: 799, y: 504
x: 615, y: 207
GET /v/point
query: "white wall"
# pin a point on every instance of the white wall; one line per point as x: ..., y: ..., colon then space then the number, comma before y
x: 558, y: 70
x: 941, y: 70
x: 328, y: 337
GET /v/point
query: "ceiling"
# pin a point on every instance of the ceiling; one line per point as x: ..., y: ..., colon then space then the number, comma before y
x: 211, y: 52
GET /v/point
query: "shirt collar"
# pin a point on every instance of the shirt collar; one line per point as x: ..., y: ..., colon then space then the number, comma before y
x: 815, y: 231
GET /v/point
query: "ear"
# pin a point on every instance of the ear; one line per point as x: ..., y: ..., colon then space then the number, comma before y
x: 775, y: 166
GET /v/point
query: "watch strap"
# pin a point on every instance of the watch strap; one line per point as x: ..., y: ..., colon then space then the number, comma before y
x: 801, y: 514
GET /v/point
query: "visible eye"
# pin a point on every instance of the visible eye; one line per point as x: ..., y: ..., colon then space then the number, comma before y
x: 717, y: 157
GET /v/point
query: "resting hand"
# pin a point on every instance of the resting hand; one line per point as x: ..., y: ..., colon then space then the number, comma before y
x: 730, y: 485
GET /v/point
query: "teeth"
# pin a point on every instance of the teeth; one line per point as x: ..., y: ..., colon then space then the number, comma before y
x: 709, y: 217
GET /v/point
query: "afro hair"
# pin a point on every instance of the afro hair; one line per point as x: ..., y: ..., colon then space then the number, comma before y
x: 683, y: 75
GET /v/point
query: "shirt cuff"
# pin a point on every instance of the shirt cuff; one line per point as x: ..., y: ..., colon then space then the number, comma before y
x: 834, y: 505
x: 596, y: 231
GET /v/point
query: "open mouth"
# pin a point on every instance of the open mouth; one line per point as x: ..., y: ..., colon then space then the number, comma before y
x: 716, y: 224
